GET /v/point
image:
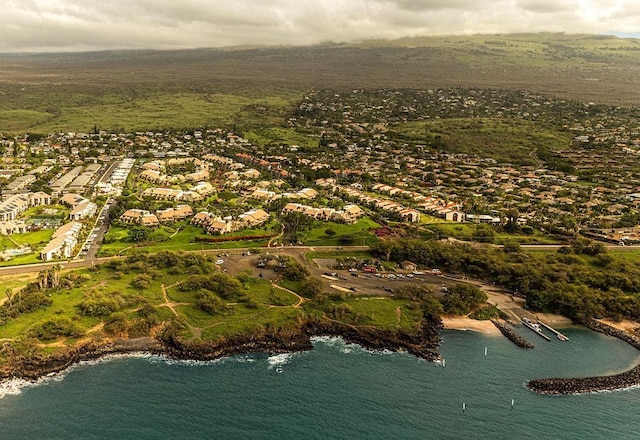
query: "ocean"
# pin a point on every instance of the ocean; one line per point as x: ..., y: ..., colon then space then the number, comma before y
x: 335, y: 391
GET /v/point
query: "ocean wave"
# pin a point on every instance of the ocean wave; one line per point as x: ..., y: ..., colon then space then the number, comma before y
x: 346, y: 347
x: 278, y: 361
x: 14, y: 387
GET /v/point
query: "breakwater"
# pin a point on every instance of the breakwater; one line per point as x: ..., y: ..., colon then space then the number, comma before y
x: 627, y: 379
x: 511, y: 335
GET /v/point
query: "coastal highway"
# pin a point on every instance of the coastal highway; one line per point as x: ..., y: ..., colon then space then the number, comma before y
x: 79, y: 263
x: 295, y: 250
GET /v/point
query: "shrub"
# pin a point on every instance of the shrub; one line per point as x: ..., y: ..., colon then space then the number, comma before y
x: 209, y: 303
x: 100, y: 305
x: 55, y: 328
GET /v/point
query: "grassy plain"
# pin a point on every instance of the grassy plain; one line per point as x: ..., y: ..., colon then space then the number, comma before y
x: 505, y: 140
x: 253, y: 88
x: 151, y: 290
x: 358, y: 233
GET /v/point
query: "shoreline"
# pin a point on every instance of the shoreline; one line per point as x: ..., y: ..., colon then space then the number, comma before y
x: 468, y: 324
x: 423, y: 345
x: 25, y: 371
x: 593, y: 384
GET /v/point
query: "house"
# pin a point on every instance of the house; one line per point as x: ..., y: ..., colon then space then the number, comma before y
x: 410, y: 215
x: 13, y: 227
x: 72, y: 200
x: 482, y: 218
x: 349, y: 214
x: 162, y: 193
x: 63, y: 241
x: 307, y: 193
x: 39, y: 198
x: 139, y: 217
x: 262, y: 194
x: 180, y: 212
x: 255, y: 217
x: 455, y: 216
x: 84, y: 210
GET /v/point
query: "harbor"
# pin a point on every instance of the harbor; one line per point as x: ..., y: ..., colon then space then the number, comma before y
x: 535, y: 327
x: 560, y: 336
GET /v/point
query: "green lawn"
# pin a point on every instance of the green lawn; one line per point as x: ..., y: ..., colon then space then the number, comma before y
x: 36, y: 240
x: 360, y: 233
x: 385, y: 313
x: 183, y: 240
x: 464, y: 231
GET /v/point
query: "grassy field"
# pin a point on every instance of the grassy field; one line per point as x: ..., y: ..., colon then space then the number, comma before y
x: 358, y: 233
x: 464, y: 231
x: 183, y: 240
x: 160, y: 286
x: 36, y: 240
x: 254, y: 88
x: 504, y: 140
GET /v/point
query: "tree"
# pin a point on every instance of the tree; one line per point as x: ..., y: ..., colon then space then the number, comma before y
x: 329, y: 232
x: 137, y: 234
x: 484, y: 233
x: 312, y: 286
x: 209, y: 302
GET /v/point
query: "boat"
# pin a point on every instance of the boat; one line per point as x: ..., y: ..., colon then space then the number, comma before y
x: 535, y: 327
x: 562, y: 337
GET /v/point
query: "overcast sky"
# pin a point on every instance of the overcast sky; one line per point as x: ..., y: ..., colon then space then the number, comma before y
x: 72, y: 25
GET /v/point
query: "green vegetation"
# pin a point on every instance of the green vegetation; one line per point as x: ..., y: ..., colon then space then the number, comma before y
x: 580, y: 281
x: 470, y: 231
x: 145, y: 293
x: 251, y: 89
x: 505, y: 140
x: 118, y: 240
x: 357, y: 234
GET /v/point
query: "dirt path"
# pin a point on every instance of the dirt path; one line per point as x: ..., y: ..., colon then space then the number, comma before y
x: 277, y: 236
x: 301, y: 300
x: 171, y: 305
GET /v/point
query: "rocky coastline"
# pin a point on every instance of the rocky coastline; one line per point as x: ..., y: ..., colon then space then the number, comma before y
x: 563, y: 386
x: 423, y: 345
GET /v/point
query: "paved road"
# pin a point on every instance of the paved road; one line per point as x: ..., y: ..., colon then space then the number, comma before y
x: 295, y: 251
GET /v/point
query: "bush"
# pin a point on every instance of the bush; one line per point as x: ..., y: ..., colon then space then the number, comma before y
x: 209, y: 303
x: 55, y: 328
x: 142, y: 281
x: 25, y: 302
x: 100, y: 305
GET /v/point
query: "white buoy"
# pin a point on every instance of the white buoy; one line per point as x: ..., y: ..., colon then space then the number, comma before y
x: 485, y: 351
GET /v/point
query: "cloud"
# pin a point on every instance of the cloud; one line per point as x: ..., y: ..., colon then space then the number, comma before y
x: 55, y: 25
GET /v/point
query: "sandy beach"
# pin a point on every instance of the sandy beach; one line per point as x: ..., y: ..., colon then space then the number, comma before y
x: 485, y: 327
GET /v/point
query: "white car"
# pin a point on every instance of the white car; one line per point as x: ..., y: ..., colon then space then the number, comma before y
x: 219, y: 261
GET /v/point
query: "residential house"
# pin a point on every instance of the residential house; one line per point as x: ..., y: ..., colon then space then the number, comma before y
x: 139, y: 217
x: 84, y: 210
x: 63, y: 241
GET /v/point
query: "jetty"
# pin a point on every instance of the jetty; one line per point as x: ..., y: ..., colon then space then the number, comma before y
x: 559, y: 335
x: 535, y: 328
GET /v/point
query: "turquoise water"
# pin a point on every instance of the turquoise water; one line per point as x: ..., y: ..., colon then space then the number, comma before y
x: 336, y: 391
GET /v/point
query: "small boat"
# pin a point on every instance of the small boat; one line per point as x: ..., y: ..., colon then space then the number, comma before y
x: 535, y: 327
